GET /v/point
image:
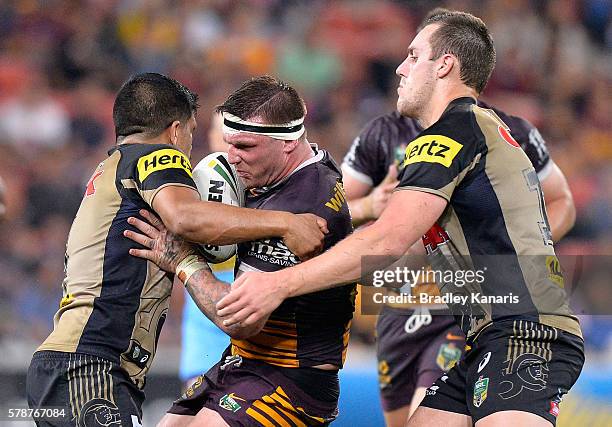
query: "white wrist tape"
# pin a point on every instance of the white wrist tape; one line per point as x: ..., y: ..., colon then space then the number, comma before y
x: 188, y: 266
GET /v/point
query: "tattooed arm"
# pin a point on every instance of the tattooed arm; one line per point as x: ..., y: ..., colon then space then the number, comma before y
x: 173, y: 254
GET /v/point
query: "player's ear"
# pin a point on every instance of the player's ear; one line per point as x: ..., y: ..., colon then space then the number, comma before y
x: 290, y: 145
x: 445, y: 65
x: 173, y: 132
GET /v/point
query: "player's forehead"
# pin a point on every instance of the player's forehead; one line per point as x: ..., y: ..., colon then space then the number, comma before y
x: 420, y: 43
x: 244, y: 138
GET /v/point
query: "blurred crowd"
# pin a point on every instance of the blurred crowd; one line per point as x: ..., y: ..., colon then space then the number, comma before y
x: 61, y: 63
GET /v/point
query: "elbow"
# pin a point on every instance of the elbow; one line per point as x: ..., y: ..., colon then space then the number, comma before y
x: 243, y: 333
x: 177, y: 226
x: 571, y: 212
x: 181, y: 224
x: 239, y: 334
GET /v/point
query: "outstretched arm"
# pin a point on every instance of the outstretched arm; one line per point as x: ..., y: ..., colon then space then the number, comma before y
x: 173, y: 254
x: 408, y: 216
x: 181, y: 209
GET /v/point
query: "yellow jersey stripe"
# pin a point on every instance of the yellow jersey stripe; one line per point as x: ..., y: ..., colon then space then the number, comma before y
x: 272, y: 413
x: 259, y: 418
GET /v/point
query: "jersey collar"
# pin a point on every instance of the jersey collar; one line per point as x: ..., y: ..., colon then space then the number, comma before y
x: 459, y: 101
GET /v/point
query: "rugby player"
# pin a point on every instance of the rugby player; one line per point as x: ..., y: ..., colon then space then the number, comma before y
x: 411, y: 353
x: 414, y: 346
x: 467, y: 175
x: 114, y: 305
x: 282, y: 370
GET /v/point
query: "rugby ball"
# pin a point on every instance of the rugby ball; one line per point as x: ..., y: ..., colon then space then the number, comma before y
x: 217, y: 181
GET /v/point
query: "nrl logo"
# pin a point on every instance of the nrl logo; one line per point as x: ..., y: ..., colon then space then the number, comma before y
x: 228, y: 402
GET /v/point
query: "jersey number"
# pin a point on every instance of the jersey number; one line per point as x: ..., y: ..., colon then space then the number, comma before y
x: 533, y: 183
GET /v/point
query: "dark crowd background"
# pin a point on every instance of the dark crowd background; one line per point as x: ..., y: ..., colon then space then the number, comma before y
x: 61, y: 63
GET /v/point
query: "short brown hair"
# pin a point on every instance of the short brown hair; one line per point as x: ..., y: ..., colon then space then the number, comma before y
x: 467, y: 37
x: 273, y: 100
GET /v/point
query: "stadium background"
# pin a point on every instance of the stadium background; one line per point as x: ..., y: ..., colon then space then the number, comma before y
x: 62, y: 61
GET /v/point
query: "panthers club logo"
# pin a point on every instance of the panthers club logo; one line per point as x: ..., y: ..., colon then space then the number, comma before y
x: 99, y: 413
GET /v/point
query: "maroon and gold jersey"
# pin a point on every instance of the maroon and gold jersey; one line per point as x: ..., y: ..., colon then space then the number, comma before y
x: 311, y: 329
x: 114, y: 304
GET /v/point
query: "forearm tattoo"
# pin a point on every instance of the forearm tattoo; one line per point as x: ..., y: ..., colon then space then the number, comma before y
x: 206, y: 291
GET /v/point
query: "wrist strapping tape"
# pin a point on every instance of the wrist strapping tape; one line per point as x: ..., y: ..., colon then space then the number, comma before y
x: 188, y: 266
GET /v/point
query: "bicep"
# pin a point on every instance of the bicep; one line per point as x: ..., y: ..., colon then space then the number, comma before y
x: 170, y: 201
x: 555, y: 185
x: 354, y: 187
x: 409, y: 214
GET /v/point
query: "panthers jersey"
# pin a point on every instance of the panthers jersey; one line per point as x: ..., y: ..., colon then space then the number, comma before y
x: 383, y: 142
x: 495, y: 215
x: 312, y: 329
x: 114, y: 304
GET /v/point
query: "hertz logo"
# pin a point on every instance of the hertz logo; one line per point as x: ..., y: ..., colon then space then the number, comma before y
x: 166, y: 158
x: 432, y: 149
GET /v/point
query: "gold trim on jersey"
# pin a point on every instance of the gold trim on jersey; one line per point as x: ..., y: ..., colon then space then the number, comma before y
x: 275, y: 344
x: 88, y: 378
x: 345, y: 339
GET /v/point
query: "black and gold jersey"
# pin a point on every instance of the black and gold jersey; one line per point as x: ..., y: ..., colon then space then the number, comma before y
x: 311, y: 329
x: 495, y: 214
x: 383, y: 142
x: 114, y: 304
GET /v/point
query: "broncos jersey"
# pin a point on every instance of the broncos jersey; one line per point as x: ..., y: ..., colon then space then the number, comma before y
x: 311, y: 329
x: 114, y: 304
x: 495, y: 215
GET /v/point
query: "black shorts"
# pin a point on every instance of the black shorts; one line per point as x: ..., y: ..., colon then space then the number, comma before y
x: 408, y: 360
x: 513, y: 365
x: 253, y: 393
x: 92, y: 391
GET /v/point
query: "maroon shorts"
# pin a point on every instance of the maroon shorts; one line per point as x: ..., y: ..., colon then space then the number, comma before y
x: 408, y: 360
x: 253, y: 393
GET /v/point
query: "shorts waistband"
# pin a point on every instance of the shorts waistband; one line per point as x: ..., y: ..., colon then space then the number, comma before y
x: 62, y: 355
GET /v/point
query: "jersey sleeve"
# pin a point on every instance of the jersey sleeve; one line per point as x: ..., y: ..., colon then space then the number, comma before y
x: 439, y: 159
x: 532, y: 143
x: 161, y: 168
x: 365, y: 156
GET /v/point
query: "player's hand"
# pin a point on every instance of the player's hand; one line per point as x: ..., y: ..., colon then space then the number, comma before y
x: 163, y: 248
x: 305, y: 234
x: 379, y: 197
x: 253, y: 297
